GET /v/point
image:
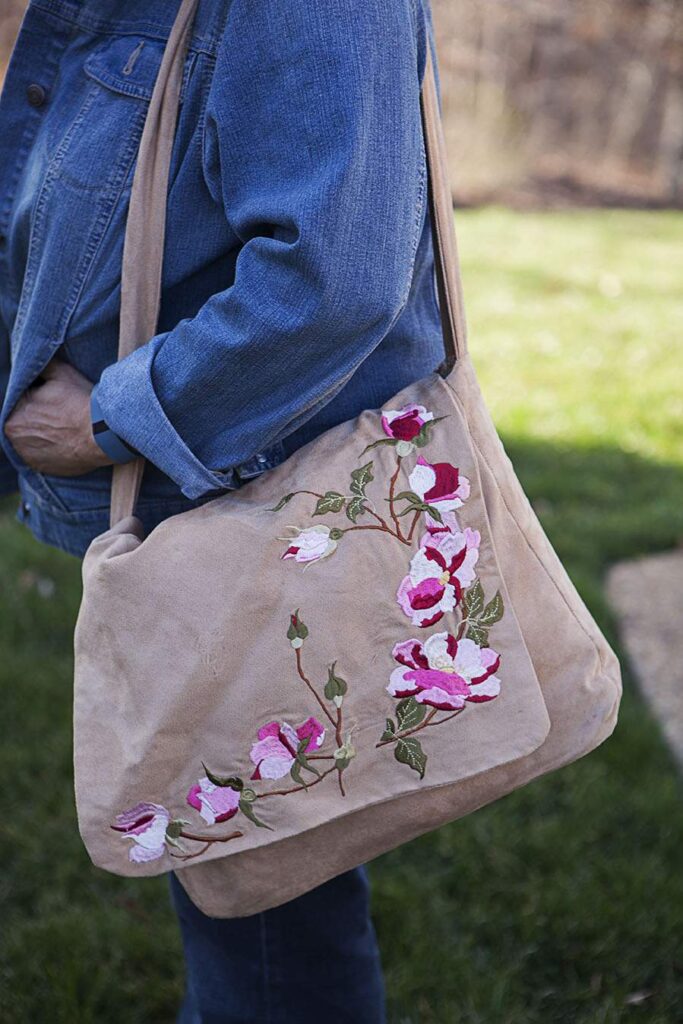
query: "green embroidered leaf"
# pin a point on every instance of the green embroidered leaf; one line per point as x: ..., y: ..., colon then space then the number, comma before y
x: 174, y: 828
x: 295, y: 773
x: 249, y: 795
x: 376, y: 444
x: 282, y: 502
x: 297, y: 630
x: 434, y: 513
x: 389, y: 731
x: 360, y: 478
x: 344, y: 755
x: 335, y: 685
x: 409, y: 713
x: 224, y: 781
x: 410, y: 752
x: 473, y: 601
x: 407, y: 496
x: 478, y: 634
x: 423, y: 437
x: 356, y: 507
x: 174, y: 843
x: 301, y: 758
x: 493, y: 612
x: 331, y: 501
x: 248, y: 812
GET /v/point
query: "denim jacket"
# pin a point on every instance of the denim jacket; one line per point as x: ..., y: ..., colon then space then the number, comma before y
x: 298, y: 284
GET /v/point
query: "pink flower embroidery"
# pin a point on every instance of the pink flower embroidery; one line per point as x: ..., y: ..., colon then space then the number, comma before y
x: 440, y: 485
x: 275, y: 751
x: 449, y: 524
x: 444, y: 672
x: 214, y: 803
x: 146, y: 825
x: 441, y: 568
x: 311, y: 544
x: 405, y: 424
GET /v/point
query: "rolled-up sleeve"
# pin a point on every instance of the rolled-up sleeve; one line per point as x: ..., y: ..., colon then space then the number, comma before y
x: 312, y: 146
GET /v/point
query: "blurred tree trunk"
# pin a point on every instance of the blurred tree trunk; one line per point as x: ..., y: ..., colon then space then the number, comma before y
x: 582, y: 94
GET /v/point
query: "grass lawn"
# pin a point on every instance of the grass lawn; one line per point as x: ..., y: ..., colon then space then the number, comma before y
x: 564, y: 902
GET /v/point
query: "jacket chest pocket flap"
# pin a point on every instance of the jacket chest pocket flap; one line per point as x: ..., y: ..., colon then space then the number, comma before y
x: 102, y: 140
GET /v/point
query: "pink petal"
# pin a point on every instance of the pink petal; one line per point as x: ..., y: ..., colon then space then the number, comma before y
x: 446, y: 483
x: 223, y: 801
x: 315, y: 732
x: 143, y: 854
x: 138, y: 819
x: 486, y: 690
x: 426, y: 594
x: 438, y: 698
x: 271, y: 729
x: 449, y: 682
x: 193, y: 797
x: 400, y: 685
x: 410, y: 653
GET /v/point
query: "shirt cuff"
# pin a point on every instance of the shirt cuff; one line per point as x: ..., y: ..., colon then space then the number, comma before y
x: 132, y: 409
x: 113, y: 446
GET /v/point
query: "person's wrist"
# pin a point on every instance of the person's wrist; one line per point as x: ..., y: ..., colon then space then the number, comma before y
x: 113, y: 447
x: 91, y: 452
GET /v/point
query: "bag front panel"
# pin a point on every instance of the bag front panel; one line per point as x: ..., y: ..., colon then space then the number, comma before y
x: 335, y: 636
x: 579, y: 677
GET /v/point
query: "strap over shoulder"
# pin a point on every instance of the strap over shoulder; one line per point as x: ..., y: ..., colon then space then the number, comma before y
x: 145, y: 228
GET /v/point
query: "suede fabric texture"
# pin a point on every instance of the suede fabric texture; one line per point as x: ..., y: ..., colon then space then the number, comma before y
x: 182, y: 655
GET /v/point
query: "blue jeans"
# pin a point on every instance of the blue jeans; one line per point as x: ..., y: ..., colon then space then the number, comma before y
x: 315, y: 957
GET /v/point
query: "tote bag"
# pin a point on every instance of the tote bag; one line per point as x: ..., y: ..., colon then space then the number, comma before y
x: 370, y: 640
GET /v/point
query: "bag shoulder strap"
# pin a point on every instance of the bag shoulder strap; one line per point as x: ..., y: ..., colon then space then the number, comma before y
x: 446, y: 259
x: 143, y: 246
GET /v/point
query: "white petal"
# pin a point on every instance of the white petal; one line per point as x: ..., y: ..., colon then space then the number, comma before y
x: 436, y: 650
x: 422, y: 479
x: 399, y: 684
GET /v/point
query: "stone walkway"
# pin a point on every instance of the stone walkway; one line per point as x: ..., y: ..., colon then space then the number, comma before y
x: 647, y: 596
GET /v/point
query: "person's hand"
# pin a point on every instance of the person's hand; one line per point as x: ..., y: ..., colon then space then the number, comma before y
x: 50, y: 427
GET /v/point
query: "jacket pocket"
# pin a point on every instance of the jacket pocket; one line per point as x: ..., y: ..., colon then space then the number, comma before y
x: 103, y: 137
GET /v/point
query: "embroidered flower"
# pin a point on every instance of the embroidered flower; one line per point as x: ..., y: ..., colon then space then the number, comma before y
x: 214, y: 803
x: 146, y: 825
x: 405, y: 424
x: 312, y: 544
x: 444, y: 672
x: 449, y: 524
x: 439, y: 571
x: 275, y: 751
x: 439, y: 485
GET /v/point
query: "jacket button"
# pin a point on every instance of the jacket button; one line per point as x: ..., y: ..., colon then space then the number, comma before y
x: 36, y: 95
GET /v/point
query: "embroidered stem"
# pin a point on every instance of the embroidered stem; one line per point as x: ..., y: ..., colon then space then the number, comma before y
x: 207, y: 840
x: 385, y: 528
x: 379, y: 519
x: 392, y: 492
x: 210, y: 839
x: 340, y: 740
x: 310, y: 686
x: 462, y: 628
x: 296, y: 789
x: 190, y: 856
x: 416, y: 519
x: 418, y: 728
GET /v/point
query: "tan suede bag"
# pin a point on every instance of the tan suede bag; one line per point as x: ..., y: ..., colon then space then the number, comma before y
x: 371, y: 640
